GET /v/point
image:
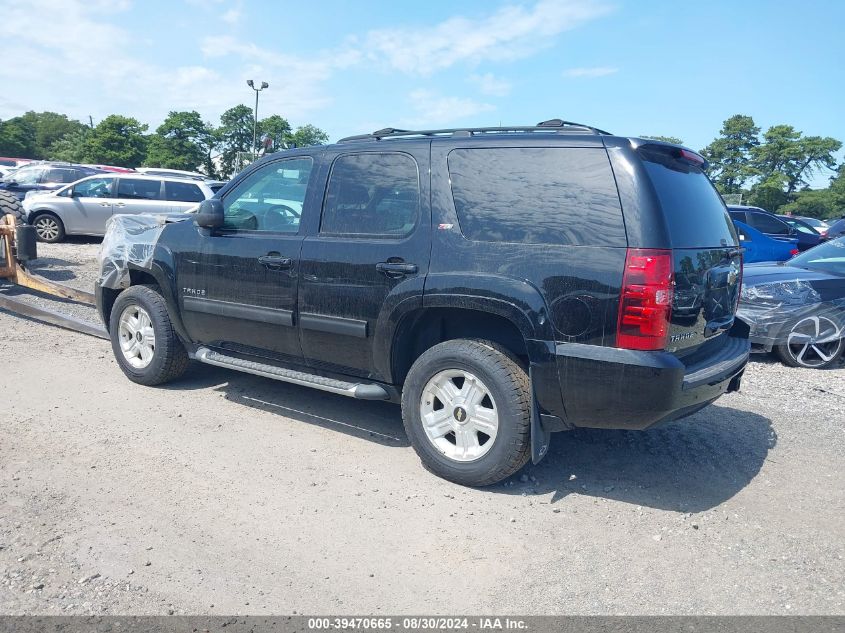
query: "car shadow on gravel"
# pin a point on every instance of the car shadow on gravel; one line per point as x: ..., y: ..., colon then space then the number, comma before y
x: 53, y: 268
x: 379, y: 422
x: 691, y: 465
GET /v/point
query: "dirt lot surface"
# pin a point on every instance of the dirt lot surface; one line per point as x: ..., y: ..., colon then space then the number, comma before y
x: 228, y: 493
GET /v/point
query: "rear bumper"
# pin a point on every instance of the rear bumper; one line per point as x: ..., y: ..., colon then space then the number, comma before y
x: 606, y: 387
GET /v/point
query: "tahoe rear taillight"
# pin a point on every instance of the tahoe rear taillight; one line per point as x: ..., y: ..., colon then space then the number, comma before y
x: 645, y: 303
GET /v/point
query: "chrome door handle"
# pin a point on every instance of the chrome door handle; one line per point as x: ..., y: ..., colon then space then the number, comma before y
x: 275, y: 262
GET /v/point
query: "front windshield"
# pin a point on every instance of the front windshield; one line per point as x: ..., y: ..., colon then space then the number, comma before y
x: 829, y: 257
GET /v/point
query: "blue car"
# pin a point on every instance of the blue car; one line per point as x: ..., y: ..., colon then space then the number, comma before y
x: 759, y: 247
x: 44, y: 177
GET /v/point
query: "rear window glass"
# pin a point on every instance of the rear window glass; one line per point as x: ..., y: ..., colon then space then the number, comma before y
x: 691, y: 205
x: 182, y: 192
x: 537, y: 196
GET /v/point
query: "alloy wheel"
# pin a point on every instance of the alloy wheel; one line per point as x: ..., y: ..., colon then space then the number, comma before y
x: 459, y: 415
x: 47, y: 228
x: 137, y: 336
x: 814, y: 341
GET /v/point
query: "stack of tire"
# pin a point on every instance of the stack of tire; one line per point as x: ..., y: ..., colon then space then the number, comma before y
x: 26, y: 239
x: 10, y: 204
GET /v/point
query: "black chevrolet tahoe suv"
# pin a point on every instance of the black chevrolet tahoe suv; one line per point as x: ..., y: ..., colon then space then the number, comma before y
x: 499, y: 283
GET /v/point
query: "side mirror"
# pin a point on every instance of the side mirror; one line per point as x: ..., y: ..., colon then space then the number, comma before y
x: 210, y: 214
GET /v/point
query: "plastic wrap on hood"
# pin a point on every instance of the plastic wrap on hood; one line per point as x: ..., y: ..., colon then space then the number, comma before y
x: 129, y: 240
x: 791, y: 312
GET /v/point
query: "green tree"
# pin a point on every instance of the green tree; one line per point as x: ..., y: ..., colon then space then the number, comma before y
x: 821, y: 203
x: 17, y: 138
x: 769, y: 193
x: 235, y: 135
x: 117, y: 140
x: 785, y: 151
x: 307, y: 135
x: 729, y: 154
x: 665, y: 139
x: 182, y: 141
x: 49, y: 128
x: 277, y: 129
x: 71, y: 146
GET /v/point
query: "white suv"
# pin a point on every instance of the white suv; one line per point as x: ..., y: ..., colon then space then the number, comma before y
x: 83, y: 207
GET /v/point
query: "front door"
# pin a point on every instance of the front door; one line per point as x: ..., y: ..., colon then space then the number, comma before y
x: 369, y: 253
x: 91, y: 202
x: 245, y: 299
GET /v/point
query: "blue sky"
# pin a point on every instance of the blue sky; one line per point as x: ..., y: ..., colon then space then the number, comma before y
x: 629, y: 66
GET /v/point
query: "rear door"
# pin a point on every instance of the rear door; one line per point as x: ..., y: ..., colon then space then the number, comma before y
x: 707, y: 257
x: 369, y: 253
x: 139, y: 195
x: 182, y: 195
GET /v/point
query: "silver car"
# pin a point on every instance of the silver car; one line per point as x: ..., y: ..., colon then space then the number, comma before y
x: 83, y: 207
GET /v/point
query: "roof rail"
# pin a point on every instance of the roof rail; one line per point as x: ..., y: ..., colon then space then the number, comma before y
x: 543, y: 126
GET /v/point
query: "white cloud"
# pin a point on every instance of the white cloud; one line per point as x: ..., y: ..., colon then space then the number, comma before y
x: 593, y: 71
x: 90, y: 63
x: 82, y: 64
x: 432, y: 109
x: 297, y: 83
x: 491, y: 85
x: 234, y: 14
x: 510, y: 33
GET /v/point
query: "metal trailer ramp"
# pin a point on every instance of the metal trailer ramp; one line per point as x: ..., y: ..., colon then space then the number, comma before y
x: 13, y: 269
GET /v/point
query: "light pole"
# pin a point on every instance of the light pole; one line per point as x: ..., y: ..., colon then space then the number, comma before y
x: 251, y: 84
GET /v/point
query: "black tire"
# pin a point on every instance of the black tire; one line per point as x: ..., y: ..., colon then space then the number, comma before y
x: 49, y: 228
x: 10, y: 204
x: 169, y: 359
x: 509, y: 387
x: 819, y: 356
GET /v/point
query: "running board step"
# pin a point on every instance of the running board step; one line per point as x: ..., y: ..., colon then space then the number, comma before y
x: 362, y: 391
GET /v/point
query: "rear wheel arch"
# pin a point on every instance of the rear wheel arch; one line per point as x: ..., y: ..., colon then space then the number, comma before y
x: 424, y: 328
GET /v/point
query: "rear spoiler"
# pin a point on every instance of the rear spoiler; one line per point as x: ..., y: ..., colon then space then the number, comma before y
x: 677, y: 152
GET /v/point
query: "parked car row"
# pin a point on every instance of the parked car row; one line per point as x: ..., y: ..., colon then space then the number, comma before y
x: 84, y: 207
x: 70, y: 199
x: 796, y: 309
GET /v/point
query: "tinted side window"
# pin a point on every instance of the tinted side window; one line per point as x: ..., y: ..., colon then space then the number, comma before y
x: 60, y: 176
x: 94, y: 188
x: 133, y: 189
x: 537, y: 195
x: 737, y: 215
x: 269, y: 198
x: 182, y: 192
x: 767, y: 224
x: 372, y: 195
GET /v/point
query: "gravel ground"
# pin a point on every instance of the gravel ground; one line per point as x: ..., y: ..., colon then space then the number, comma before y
x: 229, y: 493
